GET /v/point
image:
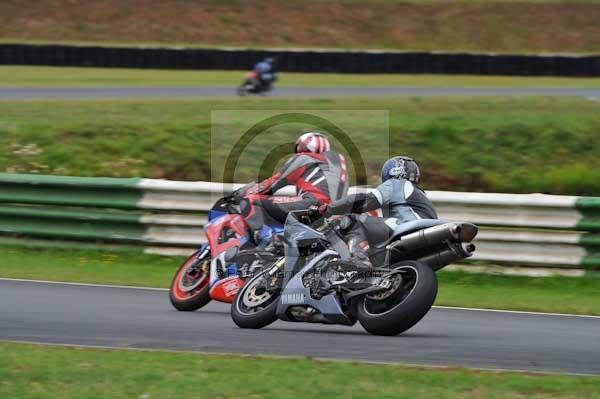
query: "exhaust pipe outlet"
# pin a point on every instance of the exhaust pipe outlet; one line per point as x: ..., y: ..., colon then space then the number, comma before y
x: 432, y: 236
x: 454, y: 253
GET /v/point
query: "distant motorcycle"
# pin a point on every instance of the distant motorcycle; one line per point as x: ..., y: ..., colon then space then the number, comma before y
x: 254, y: 85
x: 318, y: 282
x: 218, y: 268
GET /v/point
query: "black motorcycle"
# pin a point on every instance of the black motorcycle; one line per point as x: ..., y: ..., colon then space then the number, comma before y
x: 317, y: 281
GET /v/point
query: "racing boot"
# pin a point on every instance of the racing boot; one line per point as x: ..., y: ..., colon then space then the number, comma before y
x: 359, y: 251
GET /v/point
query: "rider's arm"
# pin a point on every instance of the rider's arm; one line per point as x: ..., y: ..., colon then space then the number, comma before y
x: 272, y: 184
x: 267, y: 186
x: 362, y: 202
x: 354, y: 203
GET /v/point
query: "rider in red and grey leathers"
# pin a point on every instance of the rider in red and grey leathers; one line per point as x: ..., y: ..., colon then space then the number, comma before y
x: 318, y: 173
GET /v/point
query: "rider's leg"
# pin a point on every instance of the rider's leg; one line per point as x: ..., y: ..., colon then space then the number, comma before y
x: 366, y: 231
x: 278, y: 207
x: 255, y: 215
x: 356, y: 239
x: 273, y: 210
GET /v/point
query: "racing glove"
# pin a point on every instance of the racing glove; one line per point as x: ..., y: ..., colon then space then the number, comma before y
x: 316, y: 212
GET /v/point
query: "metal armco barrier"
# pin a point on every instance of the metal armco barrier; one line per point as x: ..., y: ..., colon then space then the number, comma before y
x: 301, y: 60
x: 523, y: 229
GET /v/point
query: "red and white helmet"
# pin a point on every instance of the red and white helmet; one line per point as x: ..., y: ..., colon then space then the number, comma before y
x: 313, y: 142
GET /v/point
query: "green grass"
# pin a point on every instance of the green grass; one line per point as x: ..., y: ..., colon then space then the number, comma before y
x: 26, y: 76
x: 119, y: 267
x: 507, y: 144
x: 536, y: 294
x: 30, y: 371
x: 549, y: 294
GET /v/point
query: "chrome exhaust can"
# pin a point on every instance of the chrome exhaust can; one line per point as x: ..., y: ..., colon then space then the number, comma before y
x: 454, y: 253
x: 434, y: 236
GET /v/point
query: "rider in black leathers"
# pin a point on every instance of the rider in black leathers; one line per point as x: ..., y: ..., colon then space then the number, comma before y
x: 399, y: 197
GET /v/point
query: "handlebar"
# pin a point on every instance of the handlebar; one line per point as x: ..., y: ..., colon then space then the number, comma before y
x: 235, y: 198
x: 306, y: 216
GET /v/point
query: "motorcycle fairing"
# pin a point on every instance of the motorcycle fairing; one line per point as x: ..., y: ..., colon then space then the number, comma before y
x: 226, y: 289
x: 213, y: 214
x: 296, y: 294
x: 215, y: 228
x: 223, y: 280
x: 299, y: 237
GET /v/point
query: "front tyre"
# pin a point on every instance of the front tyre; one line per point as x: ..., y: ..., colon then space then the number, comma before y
x: 255, y: 305
x: 411, y: 295
x: 241, y: 90
x: 190, y: 289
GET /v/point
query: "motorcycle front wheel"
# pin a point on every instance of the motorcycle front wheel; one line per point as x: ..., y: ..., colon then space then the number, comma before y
x: 242, y: 90
x: 190, y: 287
x: 411, y: 294
x: 254, y: 305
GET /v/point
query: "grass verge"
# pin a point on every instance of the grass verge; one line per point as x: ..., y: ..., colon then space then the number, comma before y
x: 41, y: 76
x: 118, y: 267
x: 32, y: 371
x: 507, y: 144
x: 549, y: 294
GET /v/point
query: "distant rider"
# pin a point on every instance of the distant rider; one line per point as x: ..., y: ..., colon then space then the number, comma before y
x: 265, y: 72
x: 399, y: 197
x: 318, y: 173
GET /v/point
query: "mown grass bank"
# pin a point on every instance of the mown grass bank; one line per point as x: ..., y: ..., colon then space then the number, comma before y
x: 508, y: 144
x: 131, y: 267
x: 443, y: 25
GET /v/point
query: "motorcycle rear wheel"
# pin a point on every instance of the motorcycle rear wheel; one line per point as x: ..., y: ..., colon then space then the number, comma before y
x: 253, y: 307
x: 404, y: 305
x: 189, y: 289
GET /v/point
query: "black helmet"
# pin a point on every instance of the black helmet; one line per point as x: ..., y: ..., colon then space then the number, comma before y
x: 400, y: 168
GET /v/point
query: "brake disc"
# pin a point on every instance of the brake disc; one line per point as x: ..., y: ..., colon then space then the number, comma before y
x: 253, y: 297
x: 395, y: 281
x: 203, y: 269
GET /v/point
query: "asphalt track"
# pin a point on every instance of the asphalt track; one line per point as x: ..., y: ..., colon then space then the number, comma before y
x: 198, y: 92
x: 141, y: 318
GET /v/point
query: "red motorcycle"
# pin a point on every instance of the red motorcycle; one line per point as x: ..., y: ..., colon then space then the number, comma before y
x: 218, y: 268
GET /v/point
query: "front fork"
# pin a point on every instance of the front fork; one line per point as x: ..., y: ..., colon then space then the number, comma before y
x: 217, y: 265
x: 277, y: 267
x: 218, y: 268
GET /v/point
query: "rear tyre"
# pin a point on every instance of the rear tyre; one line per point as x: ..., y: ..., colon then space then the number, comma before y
x: 254, y: 306
x: 190, y: 289
x: 402, y: 306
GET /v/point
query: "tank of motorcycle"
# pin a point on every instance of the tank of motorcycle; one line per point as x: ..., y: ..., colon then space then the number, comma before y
x: 298, y: 240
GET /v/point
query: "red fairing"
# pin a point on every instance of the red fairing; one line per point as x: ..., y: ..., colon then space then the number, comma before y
x: 236, y: 223
x: 226, y: 289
